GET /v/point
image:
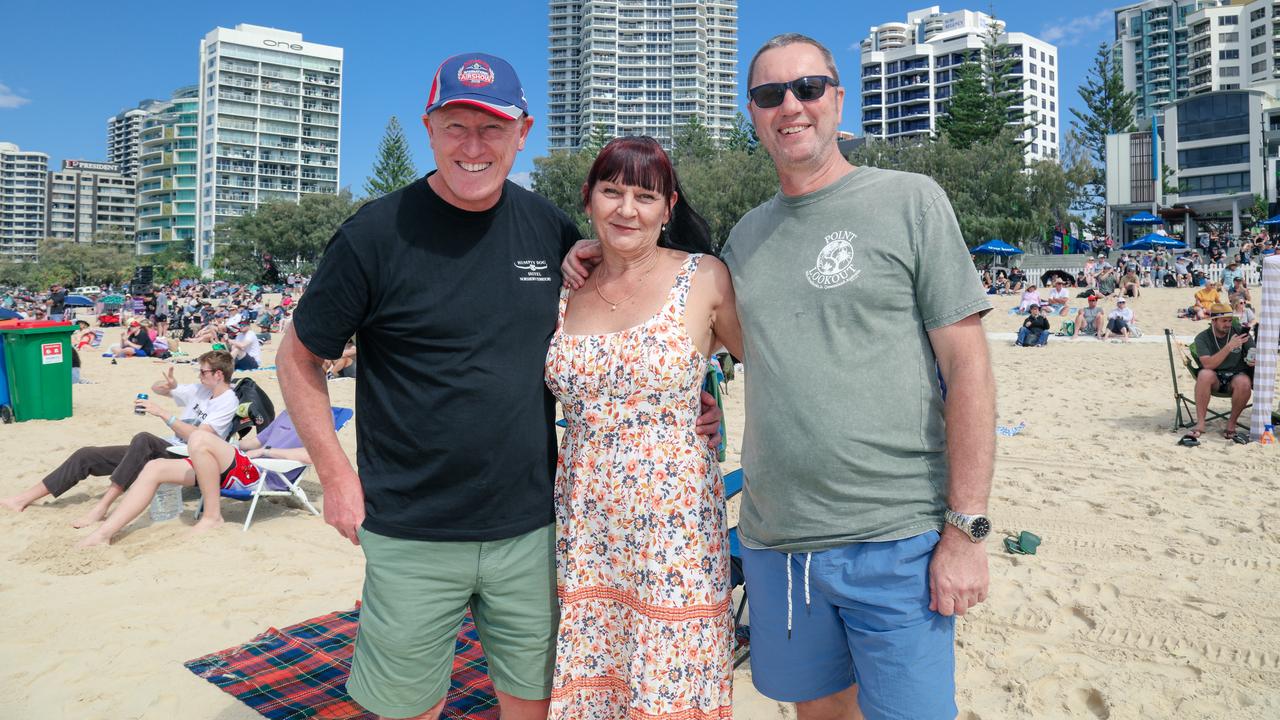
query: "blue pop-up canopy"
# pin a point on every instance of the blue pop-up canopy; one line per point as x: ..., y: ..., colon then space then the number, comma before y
x: 995, y: 247
x: 1273, y: 220
x: 1154, y: 240
x: 1143, y: 218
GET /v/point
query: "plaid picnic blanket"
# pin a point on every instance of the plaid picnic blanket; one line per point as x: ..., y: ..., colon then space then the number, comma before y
x: 301, y: 672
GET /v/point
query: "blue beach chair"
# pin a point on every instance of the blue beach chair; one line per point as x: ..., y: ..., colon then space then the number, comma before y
x: 741, y: 633
x: 281, y: 478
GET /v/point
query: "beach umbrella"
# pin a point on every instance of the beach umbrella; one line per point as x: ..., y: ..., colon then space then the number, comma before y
x: 7, y: 314
x: 1143, y: 218
x: 78, y: 301
x: 1050, y: 275
x: 1153, y: 240
x: 995, y: 247
x: 1273, y: 220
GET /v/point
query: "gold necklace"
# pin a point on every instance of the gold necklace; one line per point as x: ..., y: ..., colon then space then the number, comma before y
x: 639, y: 284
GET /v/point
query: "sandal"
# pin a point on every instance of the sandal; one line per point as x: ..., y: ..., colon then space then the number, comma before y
x: 1235, y: 436
x: 1191, y: 439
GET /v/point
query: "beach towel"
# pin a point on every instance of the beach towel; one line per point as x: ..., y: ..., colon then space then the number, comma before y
x: 302, y: 670
x: 1010, y: 430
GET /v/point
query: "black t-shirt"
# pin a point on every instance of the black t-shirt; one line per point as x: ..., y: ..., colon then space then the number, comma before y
x: 142, y: 338
x: 453, y: 313
x: 58, y: 302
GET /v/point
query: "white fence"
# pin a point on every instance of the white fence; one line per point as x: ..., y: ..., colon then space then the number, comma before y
x: 1213, y: 272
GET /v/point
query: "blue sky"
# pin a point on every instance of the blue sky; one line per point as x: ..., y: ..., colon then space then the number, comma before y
x: 65, y: 67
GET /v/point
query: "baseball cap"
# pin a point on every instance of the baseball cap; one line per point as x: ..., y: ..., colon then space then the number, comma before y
x: 1121, y: 301
x: 483, y: 81
x: 1092, y: 298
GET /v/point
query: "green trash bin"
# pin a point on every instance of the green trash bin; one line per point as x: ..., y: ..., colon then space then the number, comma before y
x: 37, y: 360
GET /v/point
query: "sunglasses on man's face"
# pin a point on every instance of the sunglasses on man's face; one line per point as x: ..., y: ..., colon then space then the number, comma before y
x: 806, y: 89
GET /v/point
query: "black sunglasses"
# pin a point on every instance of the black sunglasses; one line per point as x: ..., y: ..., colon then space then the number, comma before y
x: 806, y: 89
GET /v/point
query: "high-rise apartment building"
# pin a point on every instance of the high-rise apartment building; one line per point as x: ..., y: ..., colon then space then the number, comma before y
x: 269, y: 123
x: 168, y: 175
x: 908, y: 69
x: 24, y: 178
x: 122, y: 135
x: 1171, y: 49
x: 90, y: 202
x: 640, y: 67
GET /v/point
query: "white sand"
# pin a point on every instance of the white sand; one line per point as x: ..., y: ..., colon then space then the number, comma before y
x: 1153, y: 595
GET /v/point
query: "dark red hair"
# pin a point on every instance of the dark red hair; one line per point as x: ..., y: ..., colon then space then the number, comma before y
x: 639, y: 160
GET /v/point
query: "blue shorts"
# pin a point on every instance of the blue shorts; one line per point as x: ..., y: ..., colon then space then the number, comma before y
x: 867, y: 618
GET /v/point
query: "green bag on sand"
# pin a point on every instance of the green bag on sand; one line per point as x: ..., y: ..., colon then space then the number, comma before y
x: 1068, y: 328
x: 1025, y: 544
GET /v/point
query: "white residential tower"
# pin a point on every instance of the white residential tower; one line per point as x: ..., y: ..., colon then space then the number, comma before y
x: 269, y: 123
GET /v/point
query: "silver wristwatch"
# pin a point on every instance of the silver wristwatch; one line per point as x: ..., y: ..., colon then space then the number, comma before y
x: 977, y: 527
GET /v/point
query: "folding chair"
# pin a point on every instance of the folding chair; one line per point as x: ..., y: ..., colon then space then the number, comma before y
x: 1184, y: 407
x: 280, y: 478
x: 741, y: 632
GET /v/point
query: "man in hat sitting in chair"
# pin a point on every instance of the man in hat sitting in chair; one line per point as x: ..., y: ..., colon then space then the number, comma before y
x: 1225, y: 366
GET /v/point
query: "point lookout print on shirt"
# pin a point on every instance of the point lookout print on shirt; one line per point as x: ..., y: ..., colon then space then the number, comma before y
x: 835, y: 262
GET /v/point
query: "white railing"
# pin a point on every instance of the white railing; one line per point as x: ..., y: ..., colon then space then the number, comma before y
x: 1213, y: 273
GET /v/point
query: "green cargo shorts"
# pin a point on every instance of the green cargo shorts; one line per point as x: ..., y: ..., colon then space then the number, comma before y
x: 415, y: 596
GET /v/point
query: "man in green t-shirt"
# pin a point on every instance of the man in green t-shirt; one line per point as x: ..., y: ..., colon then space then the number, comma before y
x: 1224, y: 365
x: 857, y: 301
x: 865, y: 495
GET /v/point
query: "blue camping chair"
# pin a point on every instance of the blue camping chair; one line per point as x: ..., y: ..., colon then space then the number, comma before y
x: 741, y: 633
x: 281, y: 478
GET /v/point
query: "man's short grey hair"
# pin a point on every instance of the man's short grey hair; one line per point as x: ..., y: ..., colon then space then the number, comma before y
x: 785, y: 39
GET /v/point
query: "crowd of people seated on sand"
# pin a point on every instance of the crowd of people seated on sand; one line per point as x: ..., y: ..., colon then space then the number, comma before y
x: 196, y: 452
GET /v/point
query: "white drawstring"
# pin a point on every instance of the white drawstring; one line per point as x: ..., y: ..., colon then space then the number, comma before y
x: 788, y: 596
x: 808, y: 557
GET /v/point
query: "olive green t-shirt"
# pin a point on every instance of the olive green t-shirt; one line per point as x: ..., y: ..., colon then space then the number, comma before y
x: 844, y: 438
x: 1208, y: 344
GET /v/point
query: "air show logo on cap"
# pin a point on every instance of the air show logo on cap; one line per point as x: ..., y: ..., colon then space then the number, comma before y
x: 475, y: 74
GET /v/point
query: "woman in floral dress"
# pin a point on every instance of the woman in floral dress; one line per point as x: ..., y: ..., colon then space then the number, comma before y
x: 642, y: 556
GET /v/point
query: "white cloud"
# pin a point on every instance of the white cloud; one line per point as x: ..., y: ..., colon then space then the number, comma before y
x: 10, y: 99
x: 524, y: 179
x: 1072, y: 31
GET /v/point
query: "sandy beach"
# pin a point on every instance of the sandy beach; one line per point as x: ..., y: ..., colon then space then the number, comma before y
x: 1152, y: 595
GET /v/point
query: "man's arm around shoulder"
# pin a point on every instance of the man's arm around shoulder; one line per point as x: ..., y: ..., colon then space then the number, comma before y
x: 306, y: 394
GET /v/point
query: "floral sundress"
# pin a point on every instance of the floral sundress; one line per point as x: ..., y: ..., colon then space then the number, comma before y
x: 642, y: 554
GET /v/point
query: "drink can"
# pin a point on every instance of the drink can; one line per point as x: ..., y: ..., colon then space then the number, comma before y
x: 1251, y: 356
x: 138, y: 410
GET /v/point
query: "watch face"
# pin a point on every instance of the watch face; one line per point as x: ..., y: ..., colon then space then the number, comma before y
x: 979, y: 528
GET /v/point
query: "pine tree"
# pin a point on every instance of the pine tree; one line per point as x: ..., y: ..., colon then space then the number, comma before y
x: 1108, y: 109
x: 596, y: 141
x: 986, y: 100
x: 971, y: 116
x: 394, y: 168
x: 741, y: 135
x: 693, y: 142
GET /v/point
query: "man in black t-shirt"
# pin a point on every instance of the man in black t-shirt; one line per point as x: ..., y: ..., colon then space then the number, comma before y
x: 57, y: 302
x: 450, y: 286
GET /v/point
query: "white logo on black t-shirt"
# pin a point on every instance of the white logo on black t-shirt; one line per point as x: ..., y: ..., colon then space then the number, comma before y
x: 835, y: 262
x: 532, y: 271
